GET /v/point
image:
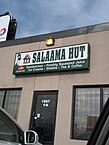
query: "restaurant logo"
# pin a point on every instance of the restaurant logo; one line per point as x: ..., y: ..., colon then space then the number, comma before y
x: 4, y: 25
x: 2, y: 31
x: 75, y: 57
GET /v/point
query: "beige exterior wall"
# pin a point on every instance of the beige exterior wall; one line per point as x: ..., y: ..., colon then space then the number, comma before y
x: 63, y: 81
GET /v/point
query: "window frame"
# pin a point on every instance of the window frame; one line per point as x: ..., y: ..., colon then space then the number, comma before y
x: 101, y: 87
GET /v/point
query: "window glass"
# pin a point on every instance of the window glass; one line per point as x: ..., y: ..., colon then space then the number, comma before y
x: 1, y: 97
x: 10, y: 100
x: 87, y: 109
x: 8, y: 130
x: 89, y: 101
x: 105, y: 94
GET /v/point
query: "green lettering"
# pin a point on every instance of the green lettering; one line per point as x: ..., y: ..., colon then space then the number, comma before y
x: 38, y: 57
x: 47, y: 56
x: 70, y: 53
x: 57, y: 54
x: 63, y: 54
x: 34, y: 58
x: 76, y: 52
x: 82, y: 49
x: 52, y: 55
x: 42, y: 58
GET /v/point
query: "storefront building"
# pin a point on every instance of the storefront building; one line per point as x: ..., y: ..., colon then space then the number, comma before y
x: 60, y: 89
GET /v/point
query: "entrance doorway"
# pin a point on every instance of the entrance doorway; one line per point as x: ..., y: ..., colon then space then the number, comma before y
x: 43, y: 115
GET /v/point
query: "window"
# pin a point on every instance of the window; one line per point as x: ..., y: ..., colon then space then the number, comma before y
x: 10, y: 100
x: 89, y: 102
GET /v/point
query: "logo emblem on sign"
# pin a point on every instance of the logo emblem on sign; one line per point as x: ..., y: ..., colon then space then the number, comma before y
x: 2, y: 31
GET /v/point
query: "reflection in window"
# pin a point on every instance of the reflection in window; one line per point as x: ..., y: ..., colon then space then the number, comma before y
x: 105, y: 94
x: 87, y: 109
x: 10, y: 100
x: 1, y: 97
x: 8, y: 130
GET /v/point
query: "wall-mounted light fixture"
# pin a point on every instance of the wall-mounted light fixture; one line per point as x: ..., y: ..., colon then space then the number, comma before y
x: 50, y: 41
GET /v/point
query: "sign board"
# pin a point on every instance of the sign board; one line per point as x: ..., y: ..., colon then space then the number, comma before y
x: 4, y: 24
x: 75, y: 57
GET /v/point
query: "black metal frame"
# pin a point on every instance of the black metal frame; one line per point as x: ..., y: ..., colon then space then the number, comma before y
x: 73, y: 103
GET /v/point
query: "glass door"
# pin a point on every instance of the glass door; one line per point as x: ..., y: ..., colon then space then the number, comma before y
x: 43, y: 116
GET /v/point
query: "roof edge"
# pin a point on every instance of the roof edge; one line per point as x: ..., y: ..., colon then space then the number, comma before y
x: 57, y: 35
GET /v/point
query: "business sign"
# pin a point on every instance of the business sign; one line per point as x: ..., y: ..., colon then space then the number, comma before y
x: 4, y: 24
x: 74, y: 57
